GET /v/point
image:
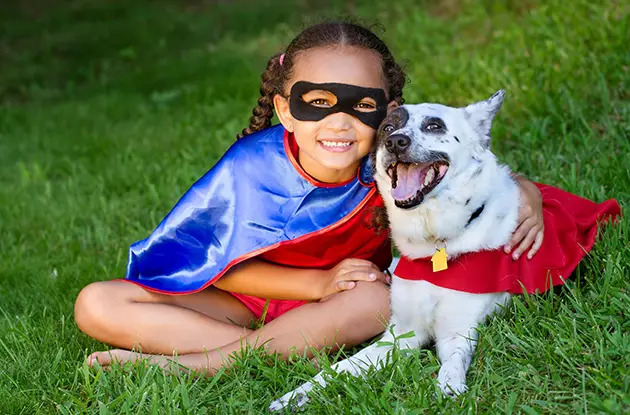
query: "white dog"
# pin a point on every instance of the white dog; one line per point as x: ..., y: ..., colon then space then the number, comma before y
x: 443, y: 188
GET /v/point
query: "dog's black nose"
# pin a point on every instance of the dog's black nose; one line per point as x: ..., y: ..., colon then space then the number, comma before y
x: 397, y: 143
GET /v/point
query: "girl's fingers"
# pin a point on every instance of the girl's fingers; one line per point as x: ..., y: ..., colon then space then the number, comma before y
x: 526, y: 242
x: 367, y: 270
x: 379, y: 276
x: 345, y: 285
x: 359, y: 276
x: 520, y: 233
x: 537, y: 243
x: 364, y: 275
x: 354, y: 269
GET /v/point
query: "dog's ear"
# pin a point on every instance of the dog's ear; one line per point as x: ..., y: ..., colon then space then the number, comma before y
x: 480, y: 114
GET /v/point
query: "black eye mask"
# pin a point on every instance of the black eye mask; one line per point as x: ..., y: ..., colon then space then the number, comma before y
x: 347, y: 97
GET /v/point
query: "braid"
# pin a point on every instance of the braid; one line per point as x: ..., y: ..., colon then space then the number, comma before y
x: 263, y: 112
x: 397, y: 80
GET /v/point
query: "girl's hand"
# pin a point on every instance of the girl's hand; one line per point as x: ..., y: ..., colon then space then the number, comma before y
x: 345, y: 275
x: 530, y: 229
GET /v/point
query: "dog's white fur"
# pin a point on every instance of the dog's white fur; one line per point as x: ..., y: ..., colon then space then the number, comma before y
x: 474, y: 179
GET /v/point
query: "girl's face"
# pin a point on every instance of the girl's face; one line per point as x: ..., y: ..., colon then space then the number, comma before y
x: 331, y: 149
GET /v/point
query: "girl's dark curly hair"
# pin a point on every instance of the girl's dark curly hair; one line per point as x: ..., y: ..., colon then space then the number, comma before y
x: 275, y: 76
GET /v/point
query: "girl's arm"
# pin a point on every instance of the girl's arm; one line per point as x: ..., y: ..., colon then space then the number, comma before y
x: 530, y: 230
x: 267, y: 280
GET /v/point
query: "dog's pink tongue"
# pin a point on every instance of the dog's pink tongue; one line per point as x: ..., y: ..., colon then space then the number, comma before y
x: 409, y: 181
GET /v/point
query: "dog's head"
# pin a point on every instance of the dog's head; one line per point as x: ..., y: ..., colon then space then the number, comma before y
x: 418, y: 146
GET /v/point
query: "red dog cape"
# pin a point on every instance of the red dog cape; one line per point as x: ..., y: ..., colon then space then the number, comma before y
x: 570, y: 231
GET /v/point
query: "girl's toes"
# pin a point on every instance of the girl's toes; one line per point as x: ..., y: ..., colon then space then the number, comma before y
x: 107, y: 358
x: 102, y: 358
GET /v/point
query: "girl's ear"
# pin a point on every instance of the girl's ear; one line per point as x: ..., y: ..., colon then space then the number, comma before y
x: 281, y: 105
x: 391, y: 106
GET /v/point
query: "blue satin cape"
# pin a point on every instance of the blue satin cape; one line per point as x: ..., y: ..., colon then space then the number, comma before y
x: 251, y: 201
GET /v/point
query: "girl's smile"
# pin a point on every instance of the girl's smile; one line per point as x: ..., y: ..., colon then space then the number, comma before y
x: 336, y: 146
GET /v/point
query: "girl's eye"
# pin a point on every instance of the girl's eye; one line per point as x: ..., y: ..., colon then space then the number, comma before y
x: 319, y: 102
x: 388, y: 128
x: 365, y: 106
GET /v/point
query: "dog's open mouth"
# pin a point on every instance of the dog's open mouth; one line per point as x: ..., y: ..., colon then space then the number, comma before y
x: 412, y: 181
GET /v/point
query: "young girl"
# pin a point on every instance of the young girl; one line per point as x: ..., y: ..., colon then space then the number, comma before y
x: 284, y: 215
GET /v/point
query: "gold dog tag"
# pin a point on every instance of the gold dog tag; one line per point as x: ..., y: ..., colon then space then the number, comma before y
x: 439, y: 260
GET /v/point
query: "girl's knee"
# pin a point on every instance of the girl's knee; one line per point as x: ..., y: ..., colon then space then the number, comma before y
x: 370, y: 295
x: 368, y: 305
x: 94, y: 303
x: 86, y: 305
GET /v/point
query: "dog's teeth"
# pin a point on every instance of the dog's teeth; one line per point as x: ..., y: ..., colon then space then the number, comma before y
x: 394, y: 175
x: 429, y: 177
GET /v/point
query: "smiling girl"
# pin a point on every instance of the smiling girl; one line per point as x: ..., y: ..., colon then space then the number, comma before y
x: 284, y: 215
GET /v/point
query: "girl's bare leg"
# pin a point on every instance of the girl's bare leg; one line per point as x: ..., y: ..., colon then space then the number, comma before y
x: 126, y: 315
x: 347, y: 318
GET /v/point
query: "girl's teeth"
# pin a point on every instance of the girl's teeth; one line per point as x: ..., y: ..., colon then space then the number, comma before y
x: 336, y: 143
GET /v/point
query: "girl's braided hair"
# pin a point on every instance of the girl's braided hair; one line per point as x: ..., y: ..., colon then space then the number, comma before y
x: 275, y: 76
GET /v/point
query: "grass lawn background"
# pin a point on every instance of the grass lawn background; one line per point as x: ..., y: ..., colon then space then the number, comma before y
x: 110, y: 110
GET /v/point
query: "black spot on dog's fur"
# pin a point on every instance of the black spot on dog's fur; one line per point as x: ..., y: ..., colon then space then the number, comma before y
x: 433, y: 125
x: 476, y: 172
x: 398, y: 119
x: 476, y: 214
x: 379, y: 220
x: 467, y: 201
x: 456, y: 139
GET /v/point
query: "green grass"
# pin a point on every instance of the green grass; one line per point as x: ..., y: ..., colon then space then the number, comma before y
x: 109, y: 110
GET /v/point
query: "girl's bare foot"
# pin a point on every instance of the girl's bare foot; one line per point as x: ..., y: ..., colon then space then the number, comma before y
x: 107, y: 358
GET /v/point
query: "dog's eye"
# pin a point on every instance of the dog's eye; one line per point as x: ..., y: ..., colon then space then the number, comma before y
x: 388, y: 128
x: 433, y: 125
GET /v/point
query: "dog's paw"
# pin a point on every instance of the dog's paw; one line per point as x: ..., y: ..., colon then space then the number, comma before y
x: 452, y: 383
x: 293, y: 400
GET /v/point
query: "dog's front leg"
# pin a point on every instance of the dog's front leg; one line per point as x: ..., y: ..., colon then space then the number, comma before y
x: 455, y: 353
x: 374, y: 355
x: 457, y: 320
